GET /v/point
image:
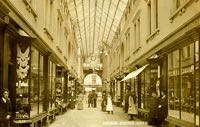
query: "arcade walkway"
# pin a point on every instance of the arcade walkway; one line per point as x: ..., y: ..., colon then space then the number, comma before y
x: 94, y: 117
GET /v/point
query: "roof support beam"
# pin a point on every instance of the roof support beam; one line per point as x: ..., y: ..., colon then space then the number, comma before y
x: 106, y: 20
x: 85, y: 27
x: 94, y: 24
x: 89, y: 24
x: 113, y: 20
x: 100, y: 20
x: 78, y: 24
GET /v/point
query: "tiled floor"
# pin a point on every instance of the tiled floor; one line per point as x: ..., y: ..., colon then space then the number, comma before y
x: 94, y: 117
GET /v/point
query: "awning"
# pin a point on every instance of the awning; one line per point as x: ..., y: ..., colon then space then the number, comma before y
x: 134, y: 73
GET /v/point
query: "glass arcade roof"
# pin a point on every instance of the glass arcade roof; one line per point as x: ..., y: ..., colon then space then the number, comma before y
x: 95, y: 22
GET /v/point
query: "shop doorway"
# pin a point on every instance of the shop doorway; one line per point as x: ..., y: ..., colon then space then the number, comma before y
x: 12, y: 72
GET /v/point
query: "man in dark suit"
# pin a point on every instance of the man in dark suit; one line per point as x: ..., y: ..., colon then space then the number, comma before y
x: 94, y: 98
x: 163, y: 109
x: 153, y: 109
x: 5, y: 109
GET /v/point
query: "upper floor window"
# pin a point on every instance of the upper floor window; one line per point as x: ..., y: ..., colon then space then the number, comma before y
x: 136, y: 34
x: 152, y: 16
x: 178, y: 8
x: 49, y: 15
x: 179, y: 3
x: 59, y: 27
x: 128, y: 43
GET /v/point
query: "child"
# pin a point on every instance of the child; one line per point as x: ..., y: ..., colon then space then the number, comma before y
x: 109, y: 107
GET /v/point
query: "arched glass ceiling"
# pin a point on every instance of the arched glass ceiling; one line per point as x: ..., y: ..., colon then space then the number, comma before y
x: 95, y: 21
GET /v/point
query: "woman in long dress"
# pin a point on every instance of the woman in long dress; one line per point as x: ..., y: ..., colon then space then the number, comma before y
x: 132, y: 109
x: 80, y: 101
x: 109, y: 107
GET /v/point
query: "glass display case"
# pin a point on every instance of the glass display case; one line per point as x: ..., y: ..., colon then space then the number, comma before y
x: 58, y: 91
x: 59, y: 88
x: 22, y: 101
x: 22, y: 108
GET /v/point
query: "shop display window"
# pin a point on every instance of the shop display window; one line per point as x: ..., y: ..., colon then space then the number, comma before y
x: 173, y: 84
x: 50, y: 87
x: 197, y: 80
x: 22, y: 109
x: 52, y: 77
x: 41, y: 84
x: 53, y: 85
x: 187, y: 83
x: 37, y: 83
x: 145, y: 84
x: 59, y: 87
x: 134, y: 86
x: 22, y: 100
x: 183, y: 83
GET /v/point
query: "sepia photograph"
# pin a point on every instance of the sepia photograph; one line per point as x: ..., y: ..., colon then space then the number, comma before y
x: 99, y: 63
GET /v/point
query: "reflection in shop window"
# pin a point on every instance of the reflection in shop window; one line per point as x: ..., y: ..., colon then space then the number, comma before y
x: 34, y: 81
x: 183, y: 79
x: 50, y: 86
x: 173, y: 80
x: 187, y: 83
x: 41, y: 85
x: 186, y: 52
x: 37, y: 83
x: 52, y: 72
x: 53, y: 85
x: 197, y: 80
x: 145, y: 84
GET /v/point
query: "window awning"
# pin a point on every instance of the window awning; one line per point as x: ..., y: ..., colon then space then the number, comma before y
x: 134, y: 73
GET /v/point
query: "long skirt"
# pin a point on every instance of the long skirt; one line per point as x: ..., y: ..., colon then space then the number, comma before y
x: 132, y: 110
x: 109, y: 106
x: 80, y: 106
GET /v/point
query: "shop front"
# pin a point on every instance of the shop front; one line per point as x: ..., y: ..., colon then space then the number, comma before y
x: 52, y: 110
x: 22, y: 72
x: 140, y: 81
x: 71, y: 92
x: 183, y: 84
x: 31, y: 102
x: 28, y: 72
x: 146, y: 80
